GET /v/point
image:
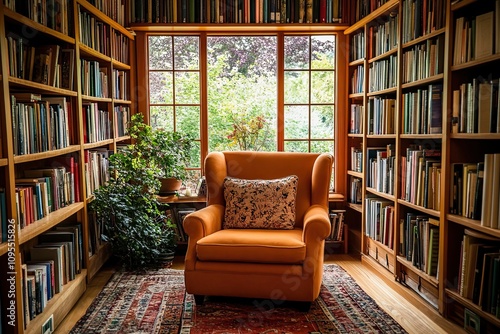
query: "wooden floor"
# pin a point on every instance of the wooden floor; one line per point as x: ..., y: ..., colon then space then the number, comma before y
x: 403, y: 305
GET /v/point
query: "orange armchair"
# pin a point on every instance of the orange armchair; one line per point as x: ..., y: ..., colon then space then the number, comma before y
x: 276, y: 264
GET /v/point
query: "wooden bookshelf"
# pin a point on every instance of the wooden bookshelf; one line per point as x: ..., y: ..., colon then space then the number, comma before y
x: 440, y: 291
x: 64, y: 35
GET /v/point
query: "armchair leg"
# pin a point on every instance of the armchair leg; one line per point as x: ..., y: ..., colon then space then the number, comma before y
x: 199, y: 299
x: 304, y: 306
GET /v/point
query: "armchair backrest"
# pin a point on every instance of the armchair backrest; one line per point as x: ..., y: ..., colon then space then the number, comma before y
x: 313, y: 170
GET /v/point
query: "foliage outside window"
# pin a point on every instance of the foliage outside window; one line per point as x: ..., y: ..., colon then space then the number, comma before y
x: 242, y: 91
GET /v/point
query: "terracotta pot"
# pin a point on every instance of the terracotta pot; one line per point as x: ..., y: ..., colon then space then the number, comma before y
x: 170, y: 185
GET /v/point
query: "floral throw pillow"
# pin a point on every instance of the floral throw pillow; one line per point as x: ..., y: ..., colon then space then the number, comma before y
x: 264, y: 204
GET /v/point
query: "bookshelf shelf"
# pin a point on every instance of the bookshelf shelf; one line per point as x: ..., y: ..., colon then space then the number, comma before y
x: 239, y: 27
x: 391, y: 90
x: 122, y: 101
x: 18, y: 19
x: 355, y: 135
x: 383, y: 55
x: 89, y: 98
x: 119, y: 65
x: 421, y: 136
x: 424, y: 38
x: 474, y: 63
x: 88, y: 146
x: 410, y: 266
x: 474, y: 224
x: 474, y: 307
x: 432, y: 79
x: 4, y: 162
x: 429, y: 212
x: 90, y: 54
x: 380, y: 194
x: 355, y: 174
x: 122, y: 139
x: 373, y: 16
x: 355, y: 207
x: 475, y: 136
x: 54, y: 218
x: 38, y: 87
x: 357, y: 96
x: 455, y: 5
x: 387, y: 136
x: 46, y: 155
x: 357, y: 62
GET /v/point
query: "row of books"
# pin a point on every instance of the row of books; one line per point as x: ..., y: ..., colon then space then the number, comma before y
x: 421, y: 17
x: 114, y: 9
x: 96, y: 169
x: 358, y: 80
x: 383, y: 37
x: 337, y: 218
x: 94, y: 79
x: 355, y: 191
x: 42, y: 191
x: 490, y: 209
x: 357, y: 46
x: 365, y: 7
x: 423, y: 110
x: 477, y: 37
x: 94, y: 33
x: 122, y: 117
x: 479, y: 270
x: 238, y: 11
x: 419, y: 235
x: 466, y: 189
x: 475, y: 107
x: 40, y: 124
x: 53, y: 262
x: 121, y: 84
x: 381, y: 116
x: 96, y: 229
x: 96, y: 123
x: 177, y: 215
x: 120, y: 48
x: 379, y: 218
x: 421, y: 177
x: 4, y: 222
x: 383, y: 74
x: 356, y: 119
x: 380, y: 168
x: 53, y: 14
x: 45, y: 64
x: 423, y: 60
x: 356, y: 159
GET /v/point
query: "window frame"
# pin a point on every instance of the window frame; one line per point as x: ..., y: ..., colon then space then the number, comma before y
x: 341, y: 79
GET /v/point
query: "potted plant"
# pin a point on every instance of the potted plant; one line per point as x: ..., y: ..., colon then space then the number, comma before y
x: 133, y: 219
x: 171, y: 151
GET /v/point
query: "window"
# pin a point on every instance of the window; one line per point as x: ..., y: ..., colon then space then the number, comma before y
x: 174, y: 89
x: 240, y: 100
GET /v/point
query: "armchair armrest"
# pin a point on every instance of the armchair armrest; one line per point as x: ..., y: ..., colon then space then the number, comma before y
x: 198, y: 225
x: 316, y: 225
x: 204, y: 221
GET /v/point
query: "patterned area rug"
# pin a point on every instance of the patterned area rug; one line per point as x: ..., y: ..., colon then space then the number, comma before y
x: 156, y: 302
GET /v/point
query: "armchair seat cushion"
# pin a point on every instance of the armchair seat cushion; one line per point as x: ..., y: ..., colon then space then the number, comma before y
x: 255, y: 245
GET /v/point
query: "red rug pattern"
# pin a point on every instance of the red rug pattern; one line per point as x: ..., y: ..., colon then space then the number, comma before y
x: 155, y: 301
